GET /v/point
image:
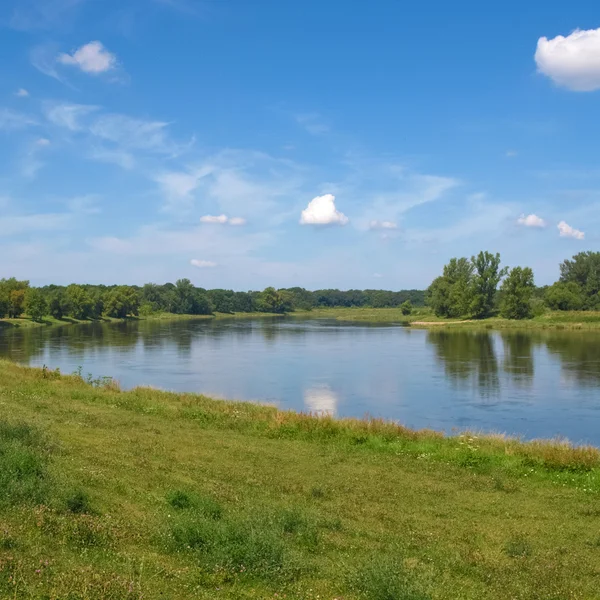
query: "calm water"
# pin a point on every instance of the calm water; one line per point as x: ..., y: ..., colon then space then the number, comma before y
x: 539, y: 384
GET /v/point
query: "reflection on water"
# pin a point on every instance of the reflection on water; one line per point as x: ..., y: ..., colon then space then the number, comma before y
x: 469, y: 358
x: 538, y: 384
x: 320, y: 400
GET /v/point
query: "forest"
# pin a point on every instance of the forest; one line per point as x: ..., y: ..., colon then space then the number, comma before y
x: 120, y: 301
x: 474, y: 288
x: 479, y: 287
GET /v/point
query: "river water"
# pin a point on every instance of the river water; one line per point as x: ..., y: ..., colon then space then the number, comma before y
x: 530, y: 384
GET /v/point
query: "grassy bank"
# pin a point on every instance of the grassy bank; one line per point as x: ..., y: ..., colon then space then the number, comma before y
x: 26, y: 322
x: 145, y: 494
x: 424, y: 317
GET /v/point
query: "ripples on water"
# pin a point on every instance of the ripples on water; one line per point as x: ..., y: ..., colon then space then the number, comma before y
x: 534, y: 384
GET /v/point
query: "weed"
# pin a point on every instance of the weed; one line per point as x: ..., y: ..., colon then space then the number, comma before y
x: 79, y: 502
x: 518, y: 547
x: 201, y: 505
x: 385, y: 580
x: 23, y: 465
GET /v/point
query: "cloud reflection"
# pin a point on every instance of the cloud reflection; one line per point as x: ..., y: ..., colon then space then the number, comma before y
x: 321, y: 400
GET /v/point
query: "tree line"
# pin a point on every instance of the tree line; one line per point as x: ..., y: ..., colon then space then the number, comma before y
x: 479, y: 287
x: 182, y: 297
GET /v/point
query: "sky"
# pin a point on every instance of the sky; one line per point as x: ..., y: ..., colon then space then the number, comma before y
x: 322, y: 143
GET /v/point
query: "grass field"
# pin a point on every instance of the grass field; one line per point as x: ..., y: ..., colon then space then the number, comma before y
x: 145, y: 494
x: 424, y: 317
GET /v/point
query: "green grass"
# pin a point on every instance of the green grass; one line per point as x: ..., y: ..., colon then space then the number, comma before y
x: 424, y: 317
x: 106, y: 494
x: 26, y: 322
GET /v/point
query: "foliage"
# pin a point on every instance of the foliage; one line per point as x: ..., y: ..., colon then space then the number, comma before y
x: 12, y: 297
x: 35, y: 304
x: 406, y: 307
x: 584, y: 270
x: 564, y: 296
x: 122, y: 302
x: 80, y: 302
x: 517, y: 291
x: 486, y: 277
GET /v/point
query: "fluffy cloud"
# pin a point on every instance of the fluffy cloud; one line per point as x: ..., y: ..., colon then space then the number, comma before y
x: 566, y: 230
x: 382, y: 225
x: 572, y: 61
x: 202, y: 264
x: 92, y: 58
x: 321, y: 211
x: 22, y: 93
x: 531, y: 221
x: 222, y: 220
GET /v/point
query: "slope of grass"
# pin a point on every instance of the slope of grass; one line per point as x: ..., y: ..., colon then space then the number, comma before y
x: 146, y: 494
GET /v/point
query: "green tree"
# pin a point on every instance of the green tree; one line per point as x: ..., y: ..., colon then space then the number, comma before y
x: 272, y: 301
x: 564, y: 296
x: 486, y: 277
x: 517, y: 291
x: 12, y: 297
x: 80, y: 303
x: 58, y: 304
x: 406, y: 307
x: 438, y: 297
x: 35, y: 304
x: 584, y: 270
x: 121, y: 302
x: 16, y: 303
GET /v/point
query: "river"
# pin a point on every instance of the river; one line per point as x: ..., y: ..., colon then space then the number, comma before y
x: 530, y: 384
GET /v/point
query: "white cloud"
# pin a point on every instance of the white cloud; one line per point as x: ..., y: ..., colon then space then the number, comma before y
x: 23, y: 224
x: 572, y: 61
x: 22, y: 93
x: 123, y: 159
x: 321, y: 211
x: 566, y: 230
x: 68, y: 116
x: 176, y: 184
x: 511, y: 153
x: 11, y: 119
x: 383, y: 225
x: 41, y: 142
x: 222, y: 220
x: 202, y: 264
x: 313, y: 123
x: 92, y: 58
x: 531, y: 221
x: 377, y: 275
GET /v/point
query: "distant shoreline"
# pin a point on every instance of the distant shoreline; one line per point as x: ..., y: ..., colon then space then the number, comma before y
x: 419, y: 318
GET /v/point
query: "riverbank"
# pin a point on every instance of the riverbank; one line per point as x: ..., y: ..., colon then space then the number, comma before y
x: 147, y: 494
x: 26, y: 322
x: 424, y: 317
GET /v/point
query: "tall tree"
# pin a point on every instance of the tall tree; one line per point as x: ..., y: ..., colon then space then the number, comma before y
x: 584, y: 270
x: 35, y: 304
x: 487, y: 276
x: 517, y: 291
x: 80, y: 303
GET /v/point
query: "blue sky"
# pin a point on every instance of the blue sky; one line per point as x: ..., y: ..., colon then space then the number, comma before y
x: 246, y: 143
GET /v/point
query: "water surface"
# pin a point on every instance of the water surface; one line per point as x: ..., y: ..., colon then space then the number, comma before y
x: 532, y: 384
